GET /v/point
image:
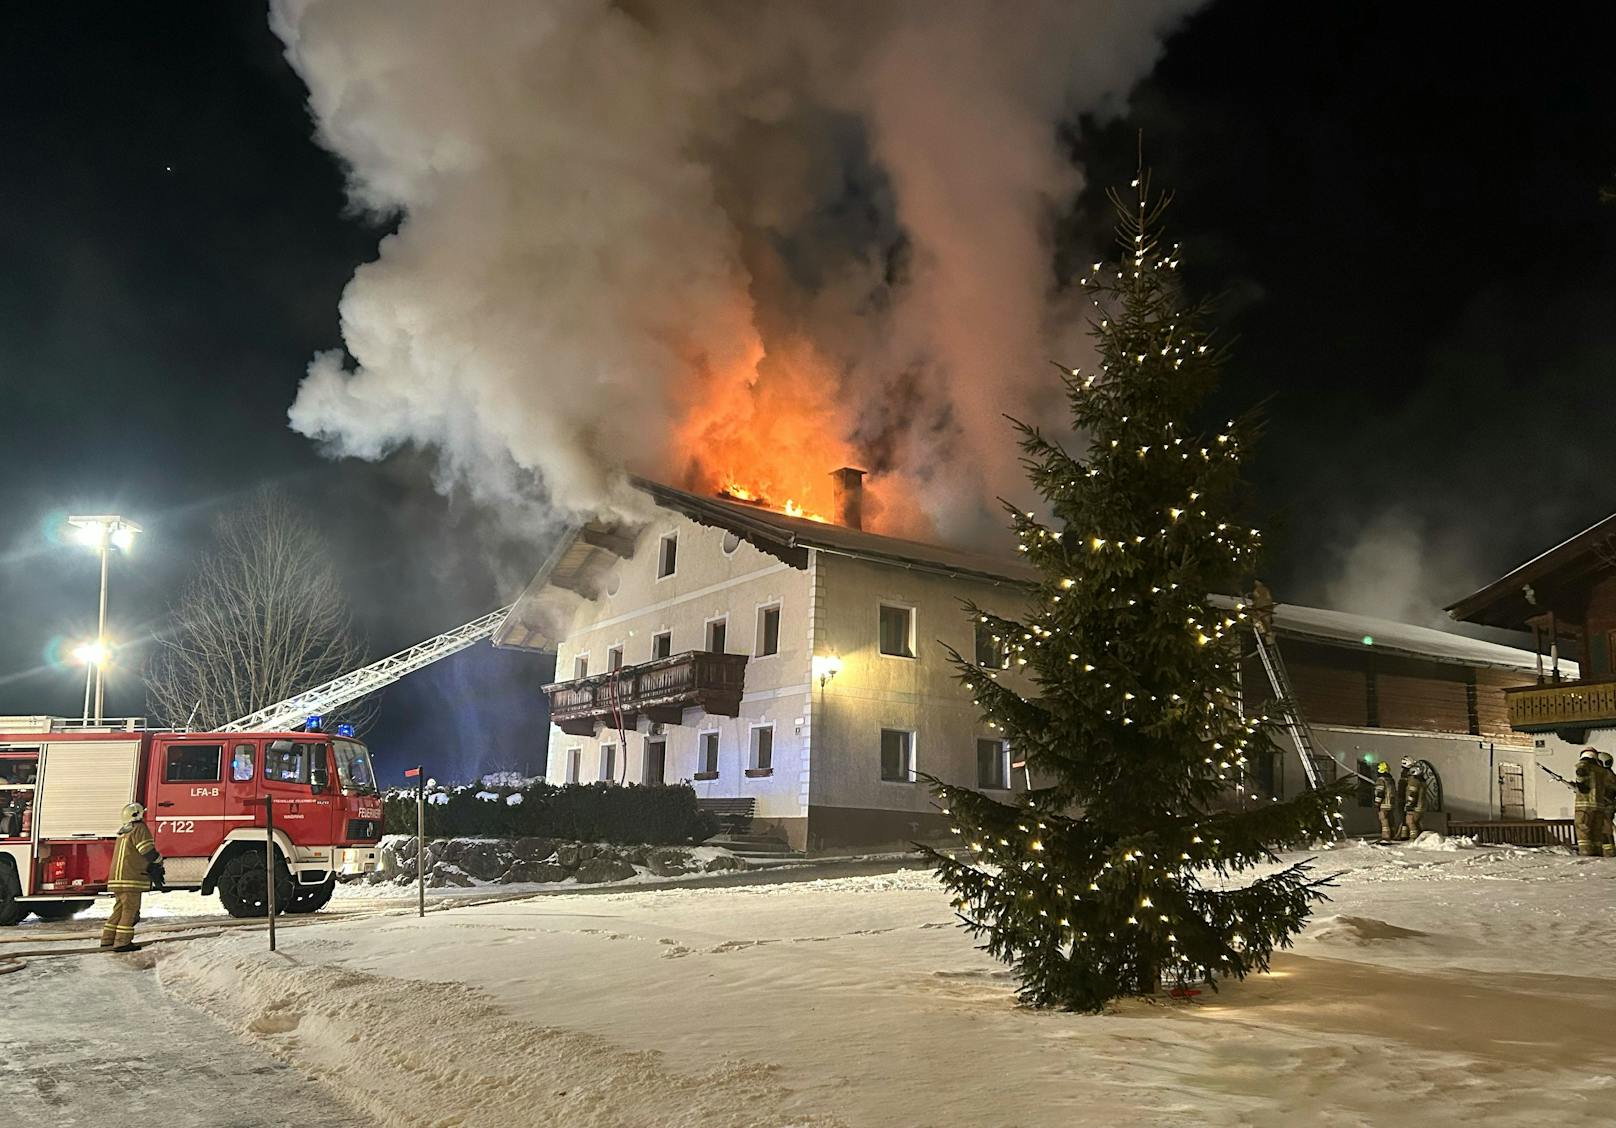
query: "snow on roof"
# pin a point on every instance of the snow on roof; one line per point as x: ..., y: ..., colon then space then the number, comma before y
x: 1339, y: 627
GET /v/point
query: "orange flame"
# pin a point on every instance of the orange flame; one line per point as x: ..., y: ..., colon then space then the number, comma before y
x: 773, y: 424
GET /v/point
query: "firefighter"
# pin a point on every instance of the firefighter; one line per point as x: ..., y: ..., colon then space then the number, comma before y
x: 1589, y: 807
x: 1607, y: 839
x: 1412, y: 785
x: 1386, y: 800
x: 1262, y: 608
x: 136, y: 867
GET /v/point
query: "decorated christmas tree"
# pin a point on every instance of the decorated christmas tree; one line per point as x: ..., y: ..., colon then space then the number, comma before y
x: 1122, y: 873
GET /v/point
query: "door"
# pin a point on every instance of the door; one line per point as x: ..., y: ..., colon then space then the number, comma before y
x: 656, y: 760
x: 187, y: 798
x: 1511, y: 791
x: 290, y: 769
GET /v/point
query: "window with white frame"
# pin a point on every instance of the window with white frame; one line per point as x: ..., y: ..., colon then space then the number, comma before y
x: 897, y: 631
x: 897, y: 756
x: 991, y: 651
x: 608, y: 762
x: 575, y: 762
x: 768, y: 631
x: 614, y: 658
x: 992, y: 765
x: 580, y: 666
x: 656, y: 761
x: 717, y: 635
x: 762, y: 754
x: 661, y: 645
x: 667, y: 556
x: 707, y: 755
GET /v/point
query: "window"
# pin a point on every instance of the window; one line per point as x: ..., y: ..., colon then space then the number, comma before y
x: 897, y: 756
x: 992, y: 765
x: 897, y: 631
x: 193, y: 763
x: 353, y: 766
x: 614, y: 661
x: 608, y: 762
x: 762, y: 761
x: 707, y: 756
x: 580, y: 666
x: 768, y: 631
x: 991, y: 652
x: 668, y: 556
x: 575, y: 761
x: 661, y: 645
x: 656, y: 760
x: 287, y: 761
x: 241, y: 763
x: 717, y: 635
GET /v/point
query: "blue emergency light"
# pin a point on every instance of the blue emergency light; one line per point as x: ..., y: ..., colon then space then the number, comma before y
x: 313, y: 723
x: 344, y: 730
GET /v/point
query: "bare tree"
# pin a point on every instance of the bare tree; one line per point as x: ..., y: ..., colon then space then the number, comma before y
x: 264, y: 617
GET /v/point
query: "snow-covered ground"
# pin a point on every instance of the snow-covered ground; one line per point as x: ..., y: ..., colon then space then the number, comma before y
x: 1442, y: 986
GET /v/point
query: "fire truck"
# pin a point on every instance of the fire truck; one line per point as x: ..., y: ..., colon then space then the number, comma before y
x: 63, y: 785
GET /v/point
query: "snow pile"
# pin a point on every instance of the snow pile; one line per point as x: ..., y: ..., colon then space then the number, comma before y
x: 1462, y: 986
x: 414, y: 1053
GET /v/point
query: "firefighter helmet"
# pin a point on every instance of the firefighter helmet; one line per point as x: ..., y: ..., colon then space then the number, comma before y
x: 1589, y: 754
x: 133, y: 812
x: 1383, y: 768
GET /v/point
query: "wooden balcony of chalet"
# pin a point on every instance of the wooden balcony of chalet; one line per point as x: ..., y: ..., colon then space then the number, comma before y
x: 1574, y: 705
x: 660, y: 690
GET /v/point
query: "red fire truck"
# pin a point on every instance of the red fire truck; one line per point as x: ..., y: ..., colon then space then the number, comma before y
x: 63, y: 785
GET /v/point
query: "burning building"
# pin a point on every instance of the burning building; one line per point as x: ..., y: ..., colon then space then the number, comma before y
x: 792, y: 666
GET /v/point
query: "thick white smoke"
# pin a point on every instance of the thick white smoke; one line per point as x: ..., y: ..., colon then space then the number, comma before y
x: 701, y: 239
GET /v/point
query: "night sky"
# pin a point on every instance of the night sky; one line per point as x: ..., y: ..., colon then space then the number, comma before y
x: 1398, y: 203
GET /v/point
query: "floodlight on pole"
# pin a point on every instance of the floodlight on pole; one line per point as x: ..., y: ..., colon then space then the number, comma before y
x: 103, y: 532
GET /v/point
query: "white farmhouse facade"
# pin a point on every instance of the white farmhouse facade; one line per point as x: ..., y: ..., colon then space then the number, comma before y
x: 802, y: 668
x: 795, y: 663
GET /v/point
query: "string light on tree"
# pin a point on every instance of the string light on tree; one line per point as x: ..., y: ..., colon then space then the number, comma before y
x: 1127, y: 704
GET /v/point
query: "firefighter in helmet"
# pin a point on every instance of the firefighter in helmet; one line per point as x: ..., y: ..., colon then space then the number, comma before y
x: 1588, y: 814
x: 1386, y: 800
x: 1412, y: 785
x: 136, y: 867
x: 1607, y: 839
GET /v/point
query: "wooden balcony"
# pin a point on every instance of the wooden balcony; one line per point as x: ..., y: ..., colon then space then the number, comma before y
x: 1569, y: 705
x: 661, y: 690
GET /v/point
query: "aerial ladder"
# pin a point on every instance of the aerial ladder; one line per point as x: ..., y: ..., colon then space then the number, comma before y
x: 339, y: 691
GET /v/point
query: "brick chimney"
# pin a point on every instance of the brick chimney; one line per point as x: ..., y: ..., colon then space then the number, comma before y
x: 849, y: 494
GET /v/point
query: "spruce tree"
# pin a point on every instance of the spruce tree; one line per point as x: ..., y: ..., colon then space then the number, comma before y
x: 1122, y: 874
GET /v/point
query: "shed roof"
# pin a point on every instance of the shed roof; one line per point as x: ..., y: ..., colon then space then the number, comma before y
x: 1532, y: 588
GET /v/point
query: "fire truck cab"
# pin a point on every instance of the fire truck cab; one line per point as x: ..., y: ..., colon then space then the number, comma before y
x: 63, y: 785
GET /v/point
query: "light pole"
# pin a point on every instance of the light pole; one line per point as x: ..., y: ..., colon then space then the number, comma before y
x: 103, y: 533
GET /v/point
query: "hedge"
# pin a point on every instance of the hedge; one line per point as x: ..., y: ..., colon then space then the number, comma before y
x: 631, y: 814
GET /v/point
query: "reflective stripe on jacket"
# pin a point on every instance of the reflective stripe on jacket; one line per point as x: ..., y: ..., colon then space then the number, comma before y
x: 1385, y: 793
x: 130, y: 858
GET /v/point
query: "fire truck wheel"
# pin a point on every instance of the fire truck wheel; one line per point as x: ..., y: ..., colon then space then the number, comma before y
x: 60, y: 910
x: 311, y: 898
x: 11, y: 910
x: 242, y: 887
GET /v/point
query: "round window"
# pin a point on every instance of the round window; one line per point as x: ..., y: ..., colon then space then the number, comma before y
x: 731, y: 543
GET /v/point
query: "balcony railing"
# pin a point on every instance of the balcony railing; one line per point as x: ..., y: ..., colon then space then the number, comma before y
x: 1571, y: 705
x: 661, y: 690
